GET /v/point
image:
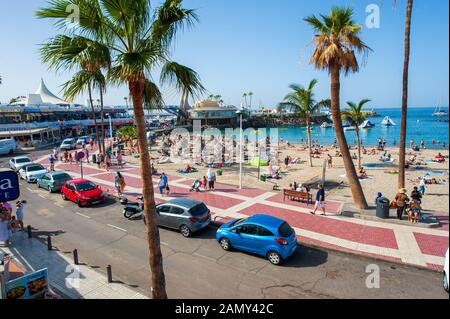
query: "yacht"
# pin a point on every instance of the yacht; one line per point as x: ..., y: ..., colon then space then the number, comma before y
x: 439, y: 112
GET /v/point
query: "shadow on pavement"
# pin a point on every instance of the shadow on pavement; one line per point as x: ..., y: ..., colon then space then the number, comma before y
x: 306, y: 257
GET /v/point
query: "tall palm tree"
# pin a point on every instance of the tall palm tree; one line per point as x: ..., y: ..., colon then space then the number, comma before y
x: 402, y: 146
x: 301, y: 101
x: 187, y: 82
x: 126, y: 101
x: 355, y: 116
x: 88, y: 57
x: 245, y: 98
x: 336, y: 40
x: 140, y: 39
x: 250, y: 94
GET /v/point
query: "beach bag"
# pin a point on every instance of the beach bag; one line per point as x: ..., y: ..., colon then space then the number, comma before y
x: 394, y: 204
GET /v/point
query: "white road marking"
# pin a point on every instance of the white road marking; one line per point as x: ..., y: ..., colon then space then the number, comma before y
x: 164, y: 243
x: 116, y: 227
x: 29, y: 189
x: 42, y: 196
x: 83, y: 215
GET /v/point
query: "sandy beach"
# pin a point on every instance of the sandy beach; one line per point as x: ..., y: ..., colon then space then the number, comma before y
x: 436, y: 198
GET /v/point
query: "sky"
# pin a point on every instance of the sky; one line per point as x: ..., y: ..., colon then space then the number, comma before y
x: 259, y: 46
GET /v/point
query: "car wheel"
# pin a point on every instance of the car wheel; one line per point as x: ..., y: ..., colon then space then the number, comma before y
x: 225, y: 244
x: 445, y: 281
x: 63, y: 196
x: 79, y: 203
x: 274, y: 258
x: 185, y: 231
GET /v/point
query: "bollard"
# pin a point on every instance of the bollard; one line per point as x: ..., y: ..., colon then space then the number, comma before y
x: 75, y: 257
x: 30, y: 234
x: 109, y: 273
x: 49, y: 243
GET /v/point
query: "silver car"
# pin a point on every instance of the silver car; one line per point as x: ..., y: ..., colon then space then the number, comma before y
x: 184, y: 214
x: 18, y: 162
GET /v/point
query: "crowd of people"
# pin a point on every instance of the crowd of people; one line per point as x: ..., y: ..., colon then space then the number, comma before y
x: 10, y: 221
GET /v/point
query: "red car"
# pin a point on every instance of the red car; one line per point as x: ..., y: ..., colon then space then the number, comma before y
x: 82, y: 192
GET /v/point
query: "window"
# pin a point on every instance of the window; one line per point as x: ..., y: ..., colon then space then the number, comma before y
x: 285, y: 230
x: 249, y: 229
x: 177, y: 211
x: 35, y: 168
x: 163, y: 209
x: 264, y: 232
x: 70, y: 187
x: 86, y: 186
x: 198, y: 210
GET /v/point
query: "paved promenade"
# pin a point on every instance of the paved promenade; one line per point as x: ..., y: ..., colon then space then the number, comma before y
x: 417, y: 246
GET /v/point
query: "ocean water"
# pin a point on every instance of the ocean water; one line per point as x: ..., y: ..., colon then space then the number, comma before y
x: 421, y: 125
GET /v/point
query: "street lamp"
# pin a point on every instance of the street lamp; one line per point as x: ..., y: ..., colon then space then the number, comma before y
x: 239, y: 112
x: 110, y: 131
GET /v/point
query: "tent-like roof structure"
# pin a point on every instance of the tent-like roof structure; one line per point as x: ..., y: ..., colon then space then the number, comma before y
x: 47, y: 96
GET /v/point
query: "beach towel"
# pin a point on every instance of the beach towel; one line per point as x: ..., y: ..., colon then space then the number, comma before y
x: 194, y: 170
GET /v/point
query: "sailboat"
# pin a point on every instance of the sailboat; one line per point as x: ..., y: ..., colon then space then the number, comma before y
x: 387, y: 121
x: 438, y: 111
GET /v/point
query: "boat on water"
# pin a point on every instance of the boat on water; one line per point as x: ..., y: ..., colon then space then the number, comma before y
x: 349, y: 128
x: 366, y: 125
x: 387, y: 121
x: 326, y: 125
x: 439, y: 112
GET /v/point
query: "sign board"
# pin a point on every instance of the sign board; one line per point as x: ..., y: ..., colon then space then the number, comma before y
x: 80, y: 156
x: 9, y: 186
x: 28, y: 286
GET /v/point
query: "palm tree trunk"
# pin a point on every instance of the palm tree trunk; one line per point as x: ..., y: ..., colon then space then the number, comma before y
x: 402, y: 146
x: 102, y: 117
x: 359, y: 146
x: 94, y: 117
x: 154, y: 247
x: 353, y: 181
x: 308, y: 127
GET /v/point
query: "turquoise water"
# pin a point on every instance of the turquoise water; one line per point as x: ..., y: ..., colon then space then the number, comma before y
x: 421, y: 125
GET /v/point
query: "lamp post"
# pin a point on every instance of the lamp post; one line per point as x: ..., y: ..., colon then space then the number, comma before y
x: 110, y: 132
x: 239, y: 112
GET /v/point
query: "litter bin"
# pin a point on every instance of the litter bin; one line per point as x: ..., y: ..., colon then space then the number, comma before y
x: 94, y: 158
x: 219, y: 173
x: 383, y: 206
x: 263, y: 178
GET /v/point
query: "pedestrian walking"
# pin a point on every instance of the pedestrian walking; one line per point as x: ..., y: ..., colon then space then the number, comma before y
x: 86, y: 151
x: 320, y: 200
x: 5, y: 228
x: 119, y: 159
x: 51, y: 159
x: 211, y: 176
x: 330, y: 161
x: 163, y: 181
x: 108, y: 162
x: 422, y: 187
x: 119, y: 183
x: 20, y: 206
x: 401, y: 200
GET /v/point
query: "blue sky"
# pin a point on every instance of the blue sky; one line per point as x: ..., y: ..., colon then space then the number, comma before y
x: 260, y: 46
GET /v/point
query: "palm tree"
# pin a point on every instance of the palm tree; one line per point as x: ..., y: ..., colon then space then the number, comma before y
x: 355, y: 116
x: 245, y: 98
x: 126, y: 101
x: 336, y: 40
x: 139, y: 40
x: 402, y: 146
x: 250, y: 94
x: 301, y: 101
x: 88, y: 57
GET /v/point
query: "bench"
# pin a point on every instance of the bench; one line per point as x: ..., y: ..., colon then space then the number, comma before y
x: 292, y: 195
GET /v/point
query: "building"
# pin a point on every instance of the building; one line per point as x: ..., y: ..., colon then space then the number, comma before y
x: 212, y: 114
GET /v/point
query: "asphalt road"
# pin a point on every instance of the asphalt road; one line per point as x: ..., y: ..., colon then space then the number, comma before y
x: 197, y: 267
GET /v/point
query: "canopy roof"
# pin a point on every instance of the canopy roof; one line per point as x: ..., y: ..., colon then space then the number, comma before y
x: 47, y: 96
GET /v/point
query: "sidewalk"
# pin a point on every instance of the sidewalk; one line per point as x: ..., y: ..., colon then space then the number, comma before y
x: 424, y: 247
x: 69, y: 280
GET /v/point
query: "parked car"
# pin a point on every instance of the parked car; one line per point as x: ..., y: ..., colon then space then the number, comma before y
x: 32, y: 172
x: 7, y: 146
x: 445, y: 272
x: 83, y: 192
x: 18, y: 162
x: 259, y: 234
x: 185, y: 214
x: 53, y: 181
x: 68, y: 144
x: 83, y: 140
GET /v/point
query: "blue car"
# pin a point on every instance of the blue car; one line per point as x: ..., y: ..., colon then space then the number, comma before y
x: 259, y: 234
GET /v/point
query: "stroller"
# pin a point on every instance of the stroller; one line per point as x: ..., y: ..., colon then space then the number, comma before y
x: 196, y: 186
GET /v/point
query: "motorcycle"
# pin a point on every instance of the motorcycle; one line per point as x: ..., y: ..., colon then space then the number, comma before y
x: 133, y: 210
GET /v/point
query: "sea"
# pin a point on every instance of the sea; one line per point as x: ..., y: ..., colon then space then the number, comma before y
x: 421, y: 125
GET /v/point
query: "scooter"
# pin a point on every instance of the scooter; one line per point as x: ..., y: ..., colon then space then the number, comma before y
x: 133, y: 210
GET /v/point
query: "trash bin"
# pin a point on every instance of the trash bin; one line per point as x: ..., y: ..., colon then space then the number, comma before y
x: 383, y: 206
x: 94, y: 158
x: 263, y: 178
x: 219, y: 173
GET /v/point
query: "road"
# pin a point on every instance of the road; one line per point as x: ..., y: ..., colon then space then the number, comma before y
x: 198, y: 268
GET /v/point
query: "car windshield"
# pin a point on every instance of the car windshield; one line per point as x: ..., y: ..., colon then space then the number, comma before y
x: 86, y: 186
x: 67, y: 142
x: 198, y: 210
x: 285, y: 230
x: 35, y: 168
x: 238, y: 222
x: 59, y: 177
x: 23, y: 160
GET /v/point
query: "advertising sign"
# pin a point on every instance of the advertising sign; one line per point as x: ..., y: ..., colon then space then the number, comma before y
x: 9, y: 186
x: 28, y: 286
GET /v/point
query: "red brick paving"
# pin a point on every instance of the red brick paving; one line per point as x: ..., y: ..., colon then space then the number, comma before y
x: 375, y: 236
x: 332, y: 207
x: 248, y: 192
x: 432, y: 244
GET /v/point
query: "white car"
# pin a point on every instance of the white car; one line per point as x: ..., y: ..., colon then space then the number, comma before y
x: 18, y: 162
x: 32, y: 172
x: 83, y: 140
x: 445, y: 273
x: 68, y: 144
